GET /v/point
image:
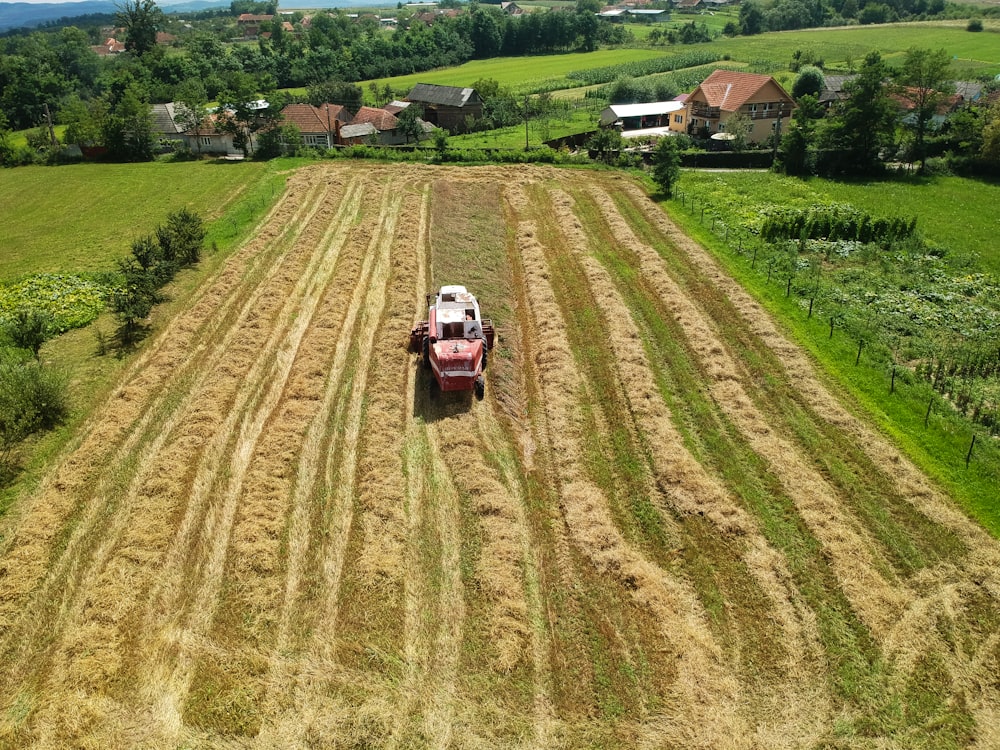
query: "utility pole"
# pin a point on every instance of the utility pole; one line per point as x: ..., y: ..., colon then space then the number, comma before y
x: 328, y: 128
x: 525, y: 122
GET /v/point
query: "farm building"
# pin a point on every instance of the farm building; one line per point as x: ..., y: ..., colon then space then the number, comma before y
x: 648, y: 116
x: 447, y: 106
x: 727, y: 93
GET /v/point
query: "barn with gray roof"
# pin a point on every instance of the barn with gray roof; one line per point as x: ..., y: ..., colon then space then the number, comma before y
x: 448, y: 107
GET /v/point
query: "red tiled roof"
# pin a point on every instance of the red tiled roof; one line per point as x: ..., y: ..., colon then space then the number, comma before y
x: 310, y: 119
x: 380, y: 118
x: 729, y: 89
x: 907, y: 99
x: 252, y: 18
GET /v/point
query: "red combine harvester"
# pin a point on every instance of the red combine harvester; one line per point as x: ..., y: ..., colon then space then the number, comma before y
x: 454, y: 340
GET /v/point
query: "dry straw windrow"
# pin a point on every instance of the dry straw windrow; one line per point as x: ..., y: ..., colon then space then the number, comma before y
x: 704, y: 692
x: 853, y: 553
x: 802, y: 701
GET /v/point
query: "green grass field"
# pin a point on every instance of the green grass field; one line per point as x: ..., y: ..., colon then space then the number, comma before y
x: 973, y: 54
x: 521, y: 74
x: 80, y: 218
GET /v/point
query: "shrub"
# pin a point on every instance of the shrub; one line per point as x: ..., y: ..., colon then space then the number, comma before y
x: 29, y: 328
x: 974, y: 25
x: 32, y: 398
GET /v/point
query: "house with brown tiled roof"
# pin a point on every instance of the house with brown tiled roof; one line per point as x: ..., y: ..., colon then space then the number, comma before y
x: 164, y: 39
x: 111, y: 46
x: 249, y: 23
x: 319, y: 126
x: 726, y: 93
x: 383, y: 121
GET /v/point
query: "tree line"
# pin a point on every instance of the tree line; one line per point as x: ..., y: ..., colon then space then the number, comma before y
x: 58, y: 70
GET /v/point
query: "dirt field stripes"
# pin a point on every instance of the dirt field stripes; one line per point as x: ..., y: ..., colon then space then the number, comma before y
x: 660, y: 528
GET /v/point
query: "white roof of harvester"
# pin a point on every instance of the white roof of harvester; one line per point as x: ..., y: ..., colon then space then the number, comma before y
x: 453, y: 302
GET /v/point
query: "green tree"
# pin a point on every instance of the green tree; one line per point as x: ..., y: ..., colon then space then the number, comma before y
x: 128, y: 129
x: 30, y: 328
x: 796, y: 151
x: 191, y: 108
x: 865, y: 122
x: 751, y: 18
x: 739, y: 126
x: 347, y: 95
x: 606, y: 144
x: 666, y: 165
x: 990, y: 150
x: 809, y: 81
x: 32, y: 398
x: 141, y: 20
x: 85, y: 120
x: 924, y: 80
x: 409, y: 124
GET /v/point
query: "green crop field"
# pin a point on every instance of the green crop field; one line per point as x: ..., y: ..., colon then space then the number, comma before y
x: 522, y: 74
x: 80, y: 218
x: 974, y: 53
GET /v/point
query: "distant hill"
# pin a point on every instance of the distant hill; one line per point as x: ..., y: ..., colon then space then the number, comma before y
x: 17, y: 15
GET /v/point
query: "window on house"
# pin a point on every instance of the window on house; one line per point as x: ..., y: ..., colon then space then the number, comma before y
x: 753, y: 107
x: 678, y: 118
x: 206, y: 140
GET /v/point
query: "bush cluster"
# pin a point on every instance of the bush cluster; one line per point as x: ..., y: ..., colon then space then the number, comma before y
x: 154, y: 261
x: 837, y: 222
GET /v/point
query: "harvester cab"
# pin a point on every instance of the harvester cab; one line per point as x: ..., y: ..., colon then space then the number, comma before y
x: 454, y: 340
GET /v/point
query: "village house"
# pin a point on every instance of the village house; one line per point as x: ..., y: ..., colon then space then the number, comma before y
x: 249, y: 24
x: 648, y: 118
x: 320, y: 126
x: 726, y: 93
x: 447, y: 107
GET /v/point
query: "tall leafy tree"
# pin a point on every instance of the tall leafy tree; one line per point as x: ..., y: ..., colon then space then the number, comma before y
x: 864, y: 123
x: 666, y: 165
x: 925, y: 85
x: 128, y: 129
x: 141, y: 20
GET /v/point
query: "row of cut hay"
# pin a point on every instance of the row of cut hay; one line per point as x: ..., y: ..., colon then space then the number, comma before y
x: 257, y: 564
x: 123, y: 563
x: 221, y: 399
x: 701, y: 703
x: 951, y: 590
x: 325, y: 673
x: 606, y: 651
x: 852, y: 552
x: 35, y: 546
x: 799, y: 704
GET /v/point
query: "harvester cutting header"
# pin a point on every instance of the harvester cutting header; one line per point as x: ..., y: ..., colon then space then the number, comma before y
x: 454, y: 340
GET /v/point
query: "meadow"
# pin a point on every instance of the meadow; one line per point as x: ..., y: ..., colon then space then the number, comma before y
x: 80, y: 218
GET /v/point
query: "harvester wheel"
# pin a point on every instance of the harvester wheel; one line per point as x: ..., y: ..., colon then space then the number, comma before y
x: 480, y: 387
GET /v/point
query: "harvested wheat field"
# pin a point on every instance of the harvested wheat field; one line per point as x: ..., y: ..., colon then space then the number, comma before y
x: 660, y: 529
